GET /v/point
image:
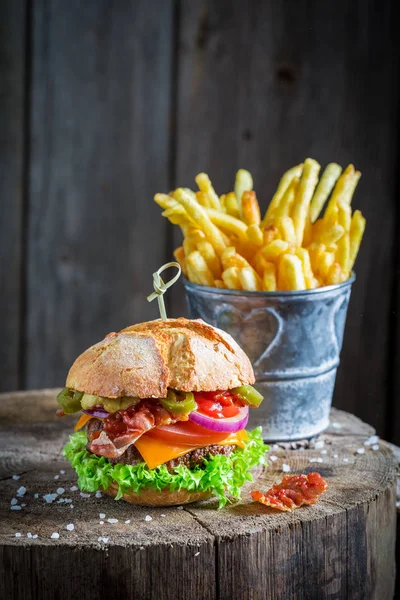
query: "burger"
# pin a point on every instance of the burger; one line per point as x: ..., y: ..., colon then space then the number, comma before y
x: 164, y: 407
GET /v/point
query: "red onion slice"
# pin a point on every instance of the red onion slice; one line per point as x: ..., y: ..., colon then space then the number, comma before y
x: 101, y: 413
x: 230, y: 425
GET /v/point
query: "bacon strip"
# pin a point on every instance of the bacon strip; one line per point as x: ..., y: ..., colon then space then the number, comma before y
x: 121, y: 429
x: 293, y: 491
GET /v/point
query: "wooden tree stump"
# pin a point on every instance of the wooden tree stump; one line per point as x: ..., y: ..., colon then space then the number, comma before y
x: 343, y: 547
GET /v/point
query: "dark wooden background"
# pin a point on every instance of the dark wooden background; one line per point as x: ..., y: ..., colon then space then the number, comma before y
x: 103, y: 104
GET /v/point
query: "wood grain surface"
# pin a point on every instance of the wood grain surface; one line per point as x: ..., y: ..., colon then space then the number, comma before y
x: 102, y: 105
x: 343, y: 547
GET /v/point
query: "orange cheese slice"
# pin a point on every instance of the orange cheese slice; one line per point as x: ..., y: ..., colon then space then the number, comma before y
x: 157, y: 452
x: 83, y: 419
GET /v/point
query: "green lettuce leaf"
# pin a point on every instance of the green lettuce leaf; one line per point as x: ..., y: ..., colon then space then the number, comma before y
x: 222, y: 475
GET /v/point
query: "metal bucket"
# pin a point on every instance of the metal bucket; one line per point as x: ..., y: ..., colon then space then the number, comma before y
x: 293, y: 340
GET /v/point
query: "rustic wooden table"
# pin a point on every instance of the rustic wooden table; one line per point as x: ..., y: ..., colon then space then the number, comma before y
x: 56, y: 542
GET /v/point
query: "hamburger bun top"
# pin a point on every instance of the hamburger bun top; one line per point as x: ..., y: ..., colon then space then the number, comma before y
x: 145, y: 360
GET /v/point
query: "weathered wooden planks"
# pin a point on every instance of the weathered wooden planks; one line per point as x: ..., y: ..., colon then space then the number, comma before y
x: 343, y: 547
x: 13, y: 85
x: 100, y: 110
x: 265, y: 84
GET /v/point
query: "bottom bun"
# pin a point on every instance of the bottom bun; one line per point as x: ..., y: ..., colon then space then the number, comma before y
x: 151, y: 497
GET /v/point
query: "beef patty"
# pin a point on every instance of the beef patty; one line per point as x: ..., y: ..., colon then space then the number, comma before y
x: 132, y: 456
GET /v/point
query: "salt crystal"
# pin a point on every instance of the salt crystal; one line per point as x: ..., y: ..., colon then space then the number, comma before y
x: 101, y: 522
x: 102, y: 539
x: 324, y: 451
x: 285, y: 468
x: 105, y: 540
x: 375, y: 447
x: 317, y: 460
x: 179, y: 508
x: 50, y: 497
x: 36, y: 496
x: 83, y: 495
x: 361, y: 451
x: 18, y: 534
x: 29, y: 535
x: 102, y: 516
x: 345, y: 460
x: 23, y: 505
x: 56, y: 477
x: 374, y: 439
x: 163, y: 515
x: 73, y: 488
x: 21, y: 491
x: 71, y: 506
x: 112, y: 521
x: 319, y: 444
x: 15, y: 507
x: 16, y: 477
x: 35, y: 536
x: 60, y: 491
x: 197, y: 553
x: 336, y: 425
x: 70, y: 527
x: 14, y: 501
x: 127, y: 522
x: 273, y: 458
x: 275, y: 447
x: 148, y: 518
x: 99, y: 539
x: 335, y: 455
x: 62, y: 471
x: 55, y: 536
x: 98, y: 494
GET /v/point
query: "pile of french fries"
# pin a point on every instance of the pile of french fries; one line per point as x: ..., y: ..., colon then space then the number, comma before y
x: 227, y: 243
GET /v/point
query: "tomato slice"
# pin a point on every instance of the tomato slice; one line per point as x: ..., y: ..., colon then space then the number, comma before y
x: 187, y: 434
x: 218, y: 405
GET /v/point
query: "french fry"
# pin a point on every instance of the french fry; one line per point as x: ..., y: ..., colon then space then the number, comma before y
x: 343, y: 254
x: 325, y: 261
x: 286, y: 228
x: 269, y: 278
x: 210, y: 256
x: 250, y: 280
x: 344, y: 215
x: 284, y: 208
x: 323, y: 190
x: 357, y: 229
x: 205, y: 185
x: 327, y: 235
x: 292, y: 268
x: 341, y: 191
x: 282, y: 187
x: 351, y: 189
x: 179, y: 255
x: 274, y: 249
x: 194, y: 235
x: 196, y: 264
x: 231, y: 258
x: 260, y: 263
x: 304, y: 194
x: 231, y: 205
x: 176, y: 216
x: 199, y: 215
x: 304, y: 256
x: 243, y: 183
x: 250, y: 208
x: 231, y: 279
x: 271, y: 233
x: 218, y: 283
x: 335, y: 274
x: 255, y: 235
x: 316, y: 251
x: 227, y: 222
x: 203, y: 199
